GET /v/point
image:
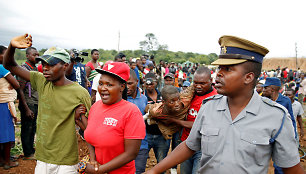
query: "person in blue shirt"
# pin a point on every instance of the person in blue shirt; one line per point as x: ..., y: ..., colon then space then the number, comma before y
x: 271, y: 90
x: 76, y: 71
x: 140, y: 100
x: 134, y: 67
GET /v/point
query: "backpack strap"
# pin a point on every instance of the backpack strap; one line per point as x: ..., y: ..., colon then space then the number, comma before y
x: 272, y: 140
x: 274, y: 104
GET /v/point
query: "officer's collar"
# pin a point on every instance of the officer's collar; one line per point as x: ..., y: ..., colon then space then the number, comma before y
x: 252, y: 106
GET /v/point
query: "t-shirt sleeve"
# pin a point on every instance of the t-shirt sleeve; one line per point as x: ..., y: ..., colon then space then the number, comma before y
x: 95, y: 82
x: 285, y: 152
x: 87, y: 102
x: 301, y: 110
x: 37, y: 80
x: 194, y: 139
x: 134, y: 125
x: 3, y: 72
x: 89, y: 64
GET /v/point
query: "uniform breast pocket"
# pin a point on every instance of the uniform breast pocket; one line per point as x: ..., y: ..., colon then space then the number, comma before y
x: 209, y: 140
x: 254, y: 149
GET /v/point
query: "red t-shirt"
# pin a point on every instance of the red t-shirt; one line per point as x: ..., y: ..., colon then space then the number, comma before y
x: 194, y: 108
x: 285, y: 74
x: 91, y: 65
x: 108, y: 126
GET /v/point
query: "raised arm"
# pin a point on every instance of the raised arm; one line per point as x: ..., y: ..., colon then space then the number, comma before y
x: 9, y: 62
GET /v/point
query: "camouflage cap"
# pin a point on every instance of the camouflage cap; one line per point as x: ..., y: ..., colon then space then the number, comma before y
x: 54, y: 55
x: 235, y: 50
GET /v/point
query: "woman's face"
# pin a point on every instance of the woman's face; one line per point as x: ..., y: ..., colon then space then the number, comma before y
x: 110, y: 89
x: 95, y: 55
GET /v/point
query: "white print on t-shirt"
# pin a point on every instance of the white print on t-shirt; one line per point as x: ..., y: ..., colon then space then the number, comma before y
x: 110, y: 122
x: 193, y: 112
x: 78, y: 75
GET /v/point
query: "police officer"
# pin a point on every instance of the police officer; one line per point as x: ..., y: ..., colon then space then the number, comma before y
x: 239, y: 131
x: 271, y: 91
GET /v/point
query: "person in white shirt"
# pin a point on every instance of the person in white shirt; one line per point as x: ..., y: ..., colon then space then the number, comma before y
x: 297, y: 110
x: 302, y: 89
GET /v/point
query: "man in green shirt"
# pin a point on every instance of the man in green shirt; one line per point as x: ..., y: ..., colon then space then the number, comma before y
x: 59, y: 98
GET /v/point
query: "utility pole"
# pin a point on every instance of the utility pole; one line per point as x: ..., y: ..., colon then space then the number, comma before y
x: 296, y: 65
x: 119, y: 41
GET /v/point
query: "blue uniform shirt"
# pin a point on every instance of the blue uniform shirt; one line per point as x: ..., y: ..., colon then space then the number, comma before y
x: 141, y: 102
x: 286, y: 102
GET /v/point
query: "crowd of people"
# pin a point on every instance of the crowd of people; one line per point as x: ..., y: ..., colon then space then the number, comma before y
x: 232, y: 119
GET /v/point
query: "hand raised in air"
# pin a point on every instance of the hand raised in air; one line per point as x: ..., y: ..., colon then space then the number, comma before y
x: 23, y: 41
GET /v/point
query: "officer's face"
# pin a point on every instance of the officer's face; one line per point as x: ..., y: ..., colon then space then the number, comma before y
x: 201, y: 83
x: 267, y: 91
x: 230, y: 79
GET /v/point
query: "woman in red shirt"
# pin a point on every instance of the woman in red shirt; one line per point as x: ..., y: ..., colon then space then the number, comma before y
x: 91, y: 66
x: 115, y: 126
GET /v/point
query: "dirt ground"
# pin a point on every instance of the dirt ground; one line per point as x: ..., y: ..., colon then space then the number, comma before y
x: 290, y: 62
x: 28, y: 166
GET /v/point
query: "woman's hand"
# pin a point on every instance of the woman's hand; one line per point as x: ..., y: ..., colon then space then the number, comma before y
x: 23, y: 41
x: 90, y: 169
x: 93, y: 167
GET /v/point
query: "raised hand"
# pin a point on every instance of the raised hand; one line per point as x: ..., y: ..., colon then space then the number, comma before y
x: 23, y: 41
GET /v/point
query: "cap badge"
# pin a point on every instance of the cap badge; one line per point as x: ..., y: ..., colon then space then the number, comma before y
x: 223, y: 50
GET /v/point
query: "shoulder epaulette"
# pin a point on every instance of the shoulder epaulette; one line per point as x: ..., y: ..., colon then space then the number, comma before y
x: 268, y: 101
x: 273, y: 103
x: 214, y: 97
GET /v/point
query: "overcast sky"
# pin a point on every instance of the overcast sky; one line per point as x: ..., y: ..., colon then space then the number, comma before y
x: 189, y: 26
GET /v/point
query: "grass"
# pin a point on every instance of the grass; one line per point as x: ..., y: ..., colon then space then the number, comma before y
x: 20, y: 62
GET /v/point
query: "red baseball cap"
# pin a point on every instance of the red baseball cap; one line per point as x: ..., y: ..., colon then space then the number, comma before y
x: 119, y: 69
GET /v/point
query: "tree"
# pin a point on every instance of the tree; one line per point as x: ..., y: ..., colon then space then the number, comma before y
x: 151, y: 45
x: 212, y: 57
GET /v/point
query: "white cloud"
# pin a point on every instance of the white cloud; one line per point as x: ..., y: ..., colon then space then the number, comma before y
x: 192, y: 25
